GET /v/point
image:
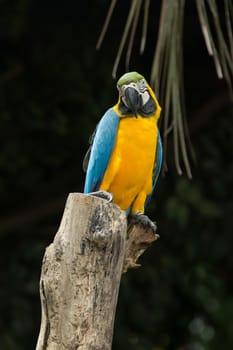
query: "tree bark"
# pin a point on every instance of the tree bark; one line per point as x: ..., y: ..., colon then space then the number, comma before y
x: 81, y: 274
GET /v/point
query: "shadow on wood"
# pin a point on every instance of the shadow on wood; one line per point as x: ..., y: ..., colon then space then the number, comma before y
x: 81, y: 274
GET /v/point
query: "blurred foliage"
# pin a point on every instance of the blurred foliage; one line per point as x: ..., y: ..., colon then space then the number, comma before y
x: 54, y: 87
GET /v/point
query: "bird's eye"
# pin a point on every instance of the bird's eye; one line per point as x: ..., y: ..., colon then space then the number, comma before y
x: 142, y: 85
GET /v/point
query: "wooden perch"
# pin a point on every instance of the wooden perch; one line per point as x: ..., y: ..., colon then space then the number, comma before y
x: 81, y: 274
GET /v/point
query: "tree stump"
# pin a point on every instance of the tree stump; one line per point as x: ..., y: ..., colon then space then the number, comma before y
x: 81, y: 274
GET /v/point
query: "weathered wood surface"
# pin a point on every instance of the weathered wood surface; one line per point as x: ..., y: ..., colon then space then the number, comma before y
x: 138, y: 240
x: 81, y: 274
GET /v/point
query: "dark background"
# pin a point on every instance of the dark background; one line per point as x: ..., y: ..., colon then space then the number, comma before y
x: 54, y: 87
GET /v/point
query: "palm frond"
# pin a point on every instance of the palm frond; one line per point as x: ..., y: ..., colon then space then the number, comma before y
x: 133, y: 31
x: 228, y: 7
x: 167, y: 66
x: 134, y: 9
x: 220, y: 52
x: 167, y: 79
x: 106, y: 23
x: 145, y: 25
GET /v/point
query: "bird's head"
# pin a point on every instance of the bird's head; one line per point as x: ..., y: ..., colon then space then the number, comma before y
x: 133, y: 92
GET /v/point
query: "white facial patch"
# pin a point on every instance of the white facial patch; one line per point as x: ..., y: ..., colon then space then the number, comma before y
x: 141, y: 84
x: 145, y: 97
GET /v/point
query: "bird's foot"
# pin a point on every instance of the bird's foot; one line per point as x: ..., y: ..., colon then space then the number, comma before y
x: 142, y: 219
x: 102, y: 194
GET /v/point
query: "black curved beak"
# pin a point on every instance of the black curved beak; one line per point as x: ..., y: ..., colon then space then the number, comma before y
x: 132, y: 99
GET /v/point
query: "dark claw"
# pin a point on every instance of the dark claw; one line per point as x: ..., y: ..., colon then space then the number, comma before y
x: 102, y: 194
x: 142, y: 219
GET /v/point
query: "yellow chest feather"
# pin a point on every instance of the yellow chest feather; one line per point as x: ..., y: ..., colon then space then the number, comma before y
x: 129, y: 172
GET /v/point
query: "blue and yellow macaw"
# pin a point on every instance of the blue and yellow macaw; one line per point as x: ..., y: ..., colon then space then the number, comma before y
x: 125, y: 155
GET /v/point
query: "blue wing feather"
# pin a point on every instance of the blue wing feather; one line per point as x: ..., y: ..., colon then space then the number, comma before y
x: 101, y: 150
x: 157, y: 166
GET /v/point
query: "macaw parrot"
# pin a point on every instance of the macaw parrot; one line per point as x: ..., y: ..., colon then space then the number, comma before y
x: 124, y: 158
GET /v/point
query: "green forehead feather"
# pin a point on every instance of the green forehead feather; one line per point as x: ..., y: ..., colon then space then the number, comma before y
x: 129, y: 78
